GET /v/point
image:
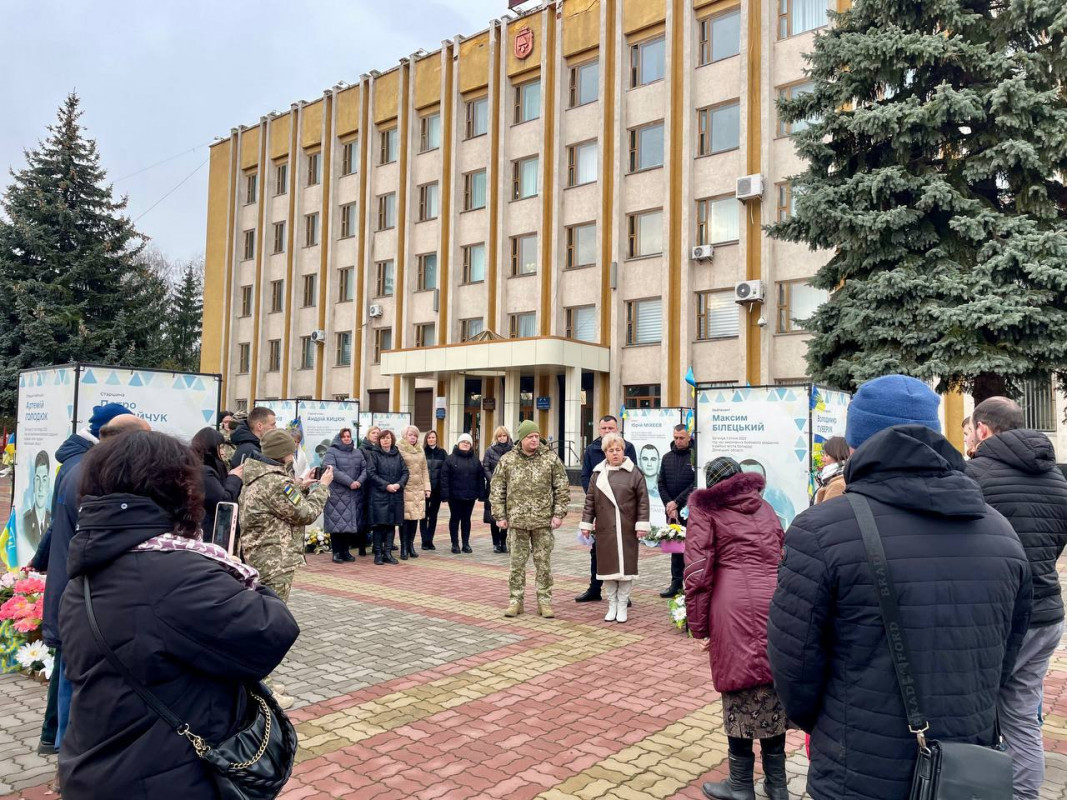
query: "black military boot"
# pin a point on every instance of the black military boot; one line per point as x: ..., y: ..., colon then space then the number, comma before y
x: 388, y: 546
x: 774, y: 779
x: 377, y: 544
x: 739, y: 785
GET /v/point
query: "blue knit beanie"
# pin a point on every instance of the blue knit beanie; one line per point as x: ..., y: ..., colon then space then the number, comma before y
x: 102, y: 415
x: 887, y: 401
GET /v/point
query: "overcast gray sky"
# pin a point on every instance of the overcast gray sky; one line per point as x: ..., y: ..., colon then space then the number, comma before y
x: 161, y: 78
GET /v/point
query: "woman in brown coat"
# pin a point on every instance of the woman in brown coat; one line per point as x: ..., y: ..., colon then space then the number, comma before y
x: 416, y: 490
x: 831, y: 478
x: 616, y: 509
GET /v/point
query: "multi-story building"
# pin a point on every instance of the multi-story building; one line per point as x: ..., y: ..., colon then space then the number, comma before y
x: 507, y: 225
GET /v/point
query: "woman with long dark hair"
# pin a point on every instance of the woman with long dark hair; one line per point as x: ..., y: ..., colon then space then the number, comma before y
x: 386, y: 475
x: 186, y: 619
x: 221, y: 485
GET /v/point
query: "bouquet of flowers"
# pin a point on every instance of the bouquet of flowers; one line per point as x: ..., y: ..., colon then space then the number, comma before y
x: 21, y: 614
x: 316, y: 540
x: 665, y: 533
x: 36, y: 659
x: 676, y: 610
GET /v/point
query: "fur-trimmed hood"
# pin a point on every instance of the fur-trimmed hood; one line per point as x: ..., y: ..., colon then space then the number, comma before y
x: 740, y: 493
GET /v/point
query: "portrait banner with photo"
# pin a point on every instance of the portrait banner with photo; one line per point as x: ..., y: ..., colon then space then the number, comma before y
x: 651, y: 432
x: 321, y: 421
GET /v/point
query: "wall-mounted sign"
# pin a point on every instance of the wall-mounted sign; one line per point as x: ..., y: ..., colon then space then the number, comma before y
x: 524, y: 42
x: 488, y: 404
x: 544, y: 403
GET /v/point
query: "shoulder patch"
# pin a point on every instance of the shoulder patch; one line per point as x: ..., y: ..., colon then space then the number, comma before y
x: 292, y: 494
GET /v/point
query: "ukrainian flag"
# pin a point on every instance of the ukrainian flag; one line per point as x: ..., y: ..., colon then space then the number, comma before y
x: 8, y: 544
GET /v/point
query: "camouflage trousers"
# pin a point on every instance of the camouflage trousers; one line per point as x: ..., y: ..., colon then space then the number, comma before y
x: 281, y: 584
x: 521, y: 542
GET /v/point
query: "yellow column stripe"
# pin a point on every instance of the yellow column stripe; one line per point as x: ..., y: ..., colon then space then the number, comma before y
x: 326, y: 209
x: 444, y: 258
x: 495, y: 215
x: 257, y: 292
x: 675, y: 258
x: 361, y: 247
x: 290, y: 245
x: 230, y: 234
x: 548, y: 171
x: 753, y: 209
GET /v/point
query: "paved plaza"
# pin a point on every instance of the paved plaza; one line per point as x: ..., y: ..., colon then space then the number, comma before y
x: 410, y: 683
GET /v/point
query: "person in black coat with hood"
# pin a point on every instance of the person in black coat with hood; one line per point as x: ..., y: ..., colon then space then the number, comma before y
x: 1016, y: 470
x: 462, y: 485
x: 435, y: 462
x: 387, y: 474
x: 186, y: 620
x: 246, y: 438
x: 220, y: 485
x: 501, y: 445
x: 964, y: 590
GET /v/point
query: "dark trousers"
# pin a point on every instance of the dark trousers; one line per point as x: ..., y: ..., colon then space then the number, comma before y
x: 460, y: 516
x: 340, y: 543
x: 51, y: 712
x: 594, y: 584
x: 677, y: 567
x: 428, y: 525
x: 387, y: 534
x: 500, y: 538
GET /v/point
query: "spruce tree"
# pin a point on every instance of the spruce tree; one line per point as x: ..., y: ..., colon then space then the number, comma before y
x: 66, y: 248
x: 936, y: 155
x: 185, y: 320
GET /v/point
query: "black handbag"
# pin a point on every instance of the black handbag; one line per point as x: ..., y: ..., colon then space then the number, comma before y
x: 943, y: 770
x: 252, y: 764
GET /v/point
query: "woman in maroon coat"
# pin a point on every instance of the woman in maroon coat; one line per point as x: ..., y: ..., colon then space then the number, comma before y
x: 732, y: 549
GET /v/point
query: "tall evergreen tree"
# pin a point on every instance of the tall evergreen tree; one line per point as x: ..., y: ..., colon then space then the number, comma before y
x: 937, y: 154
x: 186, y: 318
x: 66, y: 248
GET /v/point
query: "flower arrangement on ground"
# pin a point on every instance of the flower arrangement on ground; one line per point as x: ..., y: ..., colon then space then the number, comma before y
x: 665, y: 533
x: 21, y: 613
x: 676, y: 610
x: 316, y: 540
x: 36, y: 658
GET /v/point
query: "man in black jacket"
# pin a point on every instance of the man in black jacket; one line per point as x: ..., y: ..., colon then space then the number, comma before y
x: 676, y: 480
x: 246, y: 438
x: 592, y: 456
x: 963, y: 584
x: 1016, y: 470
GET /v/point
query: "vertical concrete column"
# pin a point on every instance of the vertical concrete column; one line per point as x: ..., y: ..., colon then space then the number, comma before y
x: 454, y: 418
x: 511, y: 401
x: 572, y: 409
x: 406, y: 400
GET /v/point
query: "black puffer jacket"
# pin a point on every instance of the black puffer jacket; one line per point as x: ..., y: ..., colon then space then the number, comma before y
x: 462, y: 477
x: 493, y: 454
x: 677, y: 477
x: 435, y: 461
x: 385, y: 468
x: 184, y: 626
x: 964, y: 586
x: 246, y: 444
x: 1019, y: 478
x: 218, y: 488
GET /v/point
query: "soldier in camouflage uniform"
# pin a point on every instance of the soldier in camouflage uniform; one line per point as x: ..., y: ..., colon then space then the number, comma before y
x: 528, y: 496
x: 228, y: 426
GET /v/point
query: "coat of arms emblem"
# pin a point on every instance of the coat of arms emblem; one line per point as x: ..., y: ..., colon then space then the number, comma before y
x: 524, y: 42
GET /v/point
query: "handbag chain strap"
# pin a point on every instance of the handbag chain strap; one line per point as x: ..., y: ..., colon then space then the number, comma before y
x: 894, y: 628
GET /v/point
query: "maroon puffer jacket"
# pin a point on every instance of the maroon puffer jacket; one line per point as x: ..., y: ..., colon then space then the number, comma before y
x: 732, y: 548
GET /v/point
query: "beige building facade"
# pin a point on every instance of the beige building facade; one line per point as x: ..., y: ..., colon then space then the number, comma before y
x: 505, y: 227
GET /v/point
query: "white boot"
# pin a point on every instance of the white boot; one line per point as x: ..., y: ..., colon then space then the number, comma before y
x: 611, y: 589
x: 622, y: 600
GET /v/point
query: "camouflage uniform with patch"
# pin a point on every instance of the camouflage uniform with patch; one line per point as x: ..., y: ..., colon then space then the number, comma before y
x: 528, y: 491
x: 274, y: 512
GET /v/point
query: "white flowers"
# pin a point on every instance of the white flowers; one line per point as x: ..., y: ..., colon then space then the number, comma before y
x: 36, y: 657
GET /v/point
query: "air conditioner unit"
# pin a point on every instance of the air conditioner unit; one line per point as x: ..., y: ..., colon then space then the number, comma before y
x: 748, y: 292
x: 703, y: 252
x: 375, y: 310
x: 318, y: 336
x: 750, y: 187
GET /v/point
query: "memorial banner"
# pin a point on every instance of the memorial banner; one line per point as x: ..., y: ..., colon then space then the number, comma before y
x: 651, y: 432
x: 322, y: 420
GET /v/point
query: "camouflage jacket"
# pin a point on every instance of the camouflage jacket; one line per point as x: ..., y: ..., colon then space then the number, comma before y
x: 273, y: 514
x: 528, y: 491
x: 227, y: 446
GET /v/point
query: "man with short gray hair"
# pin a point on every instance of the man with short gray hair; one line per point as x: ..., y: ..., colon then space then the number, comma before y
x: 1016, y: 469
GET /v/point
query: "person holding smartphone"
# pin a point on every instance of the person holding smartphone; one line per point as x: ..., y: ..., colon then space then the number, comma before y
x: 221, y: 485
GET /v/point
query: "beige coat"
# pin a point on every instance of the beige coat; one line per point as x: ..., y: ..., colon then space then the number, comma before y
x: 418, y: 480
x: 834, y: 488
x: 616, y: 509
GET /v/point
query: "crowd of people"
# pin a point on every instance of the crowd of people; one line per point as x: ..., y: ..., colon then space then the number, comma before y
x: 790, y: 619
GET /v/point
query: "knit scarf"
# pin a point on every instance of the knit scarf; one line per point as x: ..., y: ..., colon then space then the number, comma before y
x: 168, y: 542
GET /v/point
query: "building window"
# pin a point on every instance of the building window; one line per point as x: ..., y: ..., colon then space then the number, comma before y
x: 645, y: 234
x: 281, y: 178
x: 585, y: 83
x: 427, y: 271
x: 279, y: 237
x: 246, y: 301
x: 720, y: 37
x: 386, y: 211
x: 644, y: 321
x: 311, y: 230
x: 786, y: 200
x: 307, y: 353
x: 797, y: 301
x: 383, y: 284
x: 719, y: 128
x: 425, y: 335
x: 244, y: 357
x: 429, y: 201
x: 277, y: 296
x: 349, y: 156
x: 251, y: 180
x: 524, y: 254
x: 477, y: 117
x: 348, y: 220
x: 582, y: 163
x: 344, y: 349
x: 581, y: 245
x: 524, y: 178
x: 581, y: 323
x: 314, y: 172
x: 387, y: 150
x: 522, y: 326
x: 310, y: 294
x: 1038, y: 402
x: 430, y: 132
x: 647, y: 61
x: 646, y: 147
x: 474, y: 263
x: 717, y: 220
x: 241, y: 405
x: 383, y: 340
x: 790, y: 93
x: 250, y: 245
x: 643, y: 396
x: 717, y: 316
x: 469, y: 328
x: 274, y: 355
x: 346, y: 285
x: 474, y: 190
x: 800, y: 16
x: 528, y: 101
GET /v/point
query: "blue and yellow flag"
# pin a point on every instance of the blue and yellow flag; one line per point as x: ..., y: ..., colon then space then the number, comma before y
x: 8, y: 544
